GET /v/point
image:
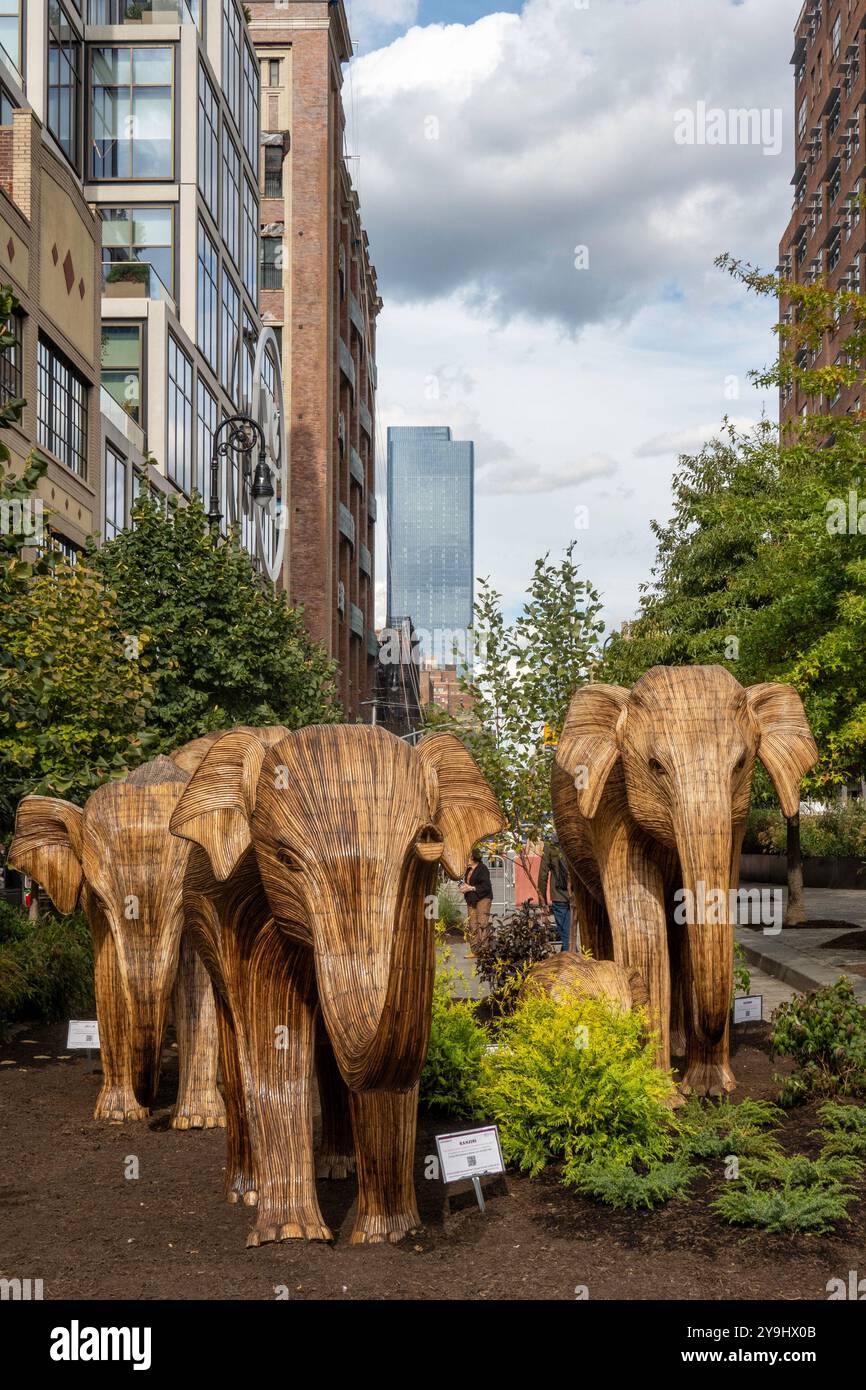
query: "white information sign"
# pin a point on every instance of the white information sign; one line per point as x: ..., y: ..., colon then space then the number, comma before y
x: 83, y: 1032
x: 469, y: 1154
x: 749, y: 1008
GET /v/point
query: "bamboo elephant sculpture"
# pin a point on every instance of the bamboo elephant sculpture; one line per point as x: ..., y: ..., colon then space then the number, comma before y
x: 314, y: 856
x: 117, y: 858
x: 650, y: 793
x: 571, y: 973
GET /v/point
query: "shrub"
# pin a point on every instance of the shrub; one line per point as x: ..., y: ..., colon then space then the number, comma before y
x: 46, y: 966
x: 455, y: 1052
x: 449, y: 905
x: 843, y: 1129
x: 825, y: 1034
x: 575, y: 1080
x: 742, y: 974
x: 838, y: 832
x: 619, y: 1185
x: 513, y: 943
x: 789, y: 1194
x: 714, y: 1129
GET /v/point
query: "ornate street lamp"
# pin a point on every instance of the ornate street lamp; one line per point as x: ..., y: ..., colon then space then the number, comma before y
x: 239, y: 434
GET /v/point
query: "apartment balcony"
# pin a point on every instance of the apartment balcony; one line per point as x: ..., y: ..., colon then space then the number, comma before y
x: 109, y: 12
x: 355, y: 314
x: 371, y: 506
x: 356, y: 467
x: 356, y: 619
x: 131, y: 280
x: 347, y: 365
x: 372, y: 644
x: 365, y: 561
x: 366, y: 419
x: 109, y: 407
x: 346, y: 523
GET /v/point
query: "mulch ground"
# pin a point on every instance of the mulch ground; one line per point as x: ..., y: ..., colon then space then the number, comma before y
x: 70, y: 1217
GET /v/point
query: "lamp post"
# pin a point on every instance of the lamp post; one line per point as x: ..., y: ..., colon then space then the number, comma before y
x: 239, y: 434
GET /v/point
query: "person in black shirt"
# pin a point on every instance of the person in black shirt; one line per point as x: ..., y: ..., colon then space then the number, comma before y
x: 478, y: 892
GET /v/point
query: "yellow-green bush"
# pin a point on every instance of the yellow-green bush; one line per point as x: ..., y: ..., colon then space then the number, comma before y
x: 576, y: 1080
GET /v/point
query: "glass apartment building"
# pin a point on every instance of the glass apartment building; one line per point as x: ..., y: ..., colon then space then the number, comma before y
x: 154, y: 107
x: 431, y: 533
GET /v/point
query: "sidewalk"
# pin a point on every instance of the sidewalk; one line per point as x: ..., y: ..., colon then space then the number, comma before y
x: 799, y: 956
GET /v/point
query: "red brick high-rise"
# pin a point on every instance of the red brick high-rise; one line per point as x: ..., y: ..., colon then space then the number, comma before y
x: 825, y: 236
x: 318, y: 291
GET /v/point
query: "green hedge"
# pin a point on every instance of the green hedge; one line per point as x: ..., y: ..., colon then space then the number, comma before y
x: 838, y: 833
x: 46, y: 967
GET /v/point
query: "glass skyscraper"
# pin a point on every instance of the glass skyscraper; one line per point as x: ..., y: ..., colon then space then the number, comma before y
x: 431, y: 533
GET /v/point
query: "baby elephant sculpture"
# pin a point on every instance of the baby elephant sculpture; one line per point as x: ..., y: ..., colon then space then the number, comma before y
x: 650, y: 793
x: 117, y: 857
x: 569, y: 973
x: 308, y: 890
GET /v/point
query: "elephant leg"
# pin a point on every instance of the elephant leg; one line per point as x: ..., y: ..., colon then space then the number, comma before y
x: 281, y: 1014
x: 199, y: 1104
x: 337, y: 1150
x: 709, y: 971
x: 590, y: 929
x: 384, y: 1123
x: 240, y: 1181
x: 116, y: 1101
x: 635, y: 899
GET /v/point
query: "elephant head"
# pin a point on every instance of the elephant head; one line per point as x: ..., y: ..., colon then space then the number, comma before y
x: 681, y: 746
x: 348, y: 825
x: 117, y: 858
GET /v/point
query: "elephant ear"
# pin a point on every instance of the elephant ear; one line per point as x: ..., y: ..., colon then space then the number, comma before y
x: 588, y: 746
x: 219, y: 799
x: 462, y: 803
x: 190, y: 755
x: 47, y: 846
x: 786, y: 748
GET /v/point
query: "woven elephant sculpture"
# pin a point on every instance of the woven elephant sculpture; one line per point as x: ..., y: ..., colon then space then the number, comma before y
x: 650, y: 793
x: 116, y: 857
x: 308, y: 889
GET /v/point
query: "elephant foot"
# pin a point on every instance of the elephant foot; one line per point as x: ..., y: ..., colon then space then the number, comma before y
x: 332, y: 1165
x: 708, y: 1079
x: 304, y: 1229
x: 200, y: 1112
x: 249, y: 1198
x: 118, y: 1106
x: 391, y: 1227
x: 674, y: 1099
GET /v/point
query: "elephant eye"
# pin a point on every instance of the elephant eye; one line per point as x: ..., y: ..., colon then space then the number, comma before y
x: 288, y: 860
x: 656, y: 767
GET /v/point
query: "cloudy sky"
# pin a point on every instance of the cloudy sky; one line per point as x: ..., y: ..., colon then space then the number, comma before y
x: 544, y: 220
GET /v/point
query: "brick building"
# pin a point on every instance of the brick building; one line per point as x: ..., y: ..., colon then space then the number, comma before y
x: 318, y: 291
x: 49, y: 254
x: 824, y: 237
x: 439, y: 686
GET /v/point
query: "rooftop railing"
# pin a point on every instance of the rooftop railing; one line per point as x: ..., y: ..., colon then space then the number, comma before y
x: 108, y: 12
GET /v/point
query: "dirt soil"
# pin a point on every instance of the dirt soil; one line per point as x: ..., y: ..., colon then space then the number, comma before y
x: 69, y: 1216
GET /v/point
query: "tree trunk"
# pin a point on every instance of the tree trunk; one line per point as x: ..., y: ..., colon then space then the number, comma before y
x: 795, y: 913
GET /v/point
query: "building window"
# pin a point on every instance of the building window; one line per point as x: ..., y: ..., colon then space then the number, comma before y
x: 231, y: 195
x: 68, y: 549
x: 834, y: 184
x: 251, y: 106
x: 132, y: 113
x: 251, y: 240
x: 61, y: 408
x: 10, y: 31
x: 230, y: 330
x: 121, y: 366
x: 206, y: 423
x: 801, y: 118
x: 64, y: 82
x: 115, y: 492
x: 206, y: 297
x: 11, y: 360
x: 232, y: 57
x: 138, y: 236
x: 273, y: 72
x: 248, y: 353
x: 179, y: 455
x: 208, y: 140
x: 273, y: 171
x: 834, y: 252
x: 272, y: 262
x: 836, y: 36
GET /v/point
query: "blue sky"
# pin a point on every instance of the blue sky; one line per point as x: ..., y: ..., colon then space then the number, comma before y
x: 544, y: 237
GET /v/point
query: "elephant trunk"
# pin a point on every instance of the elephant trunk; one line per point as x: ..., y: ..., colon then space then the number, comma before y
x: 707, y: 919
x: 147, y: 1034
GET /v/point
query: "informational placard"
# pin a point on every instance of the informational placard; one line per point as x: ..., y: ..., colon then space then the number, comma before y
x: 472, y: 1153
x: 83, y: 1032
x: 749, y: 1008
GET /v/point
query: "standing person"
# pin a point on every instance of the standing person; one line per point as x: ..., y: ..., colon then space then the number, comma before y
x: 554, y: 871
x: 478, y: 892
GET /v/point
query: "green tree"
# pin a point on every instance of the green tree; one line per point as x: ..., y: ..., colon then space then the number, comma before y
x: 220, y: 647
x: 523, y: 679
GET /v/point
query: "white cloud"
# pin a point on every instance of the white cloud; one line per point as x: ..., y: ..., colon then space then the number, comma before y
x: 374, y: 21
x: 690, y: 440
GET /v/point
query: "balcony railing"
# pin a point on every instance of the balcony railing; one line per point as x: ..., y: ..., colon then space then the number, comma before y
x: 117, y: 415
x: 131, y: 280
x: 107, y: 12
